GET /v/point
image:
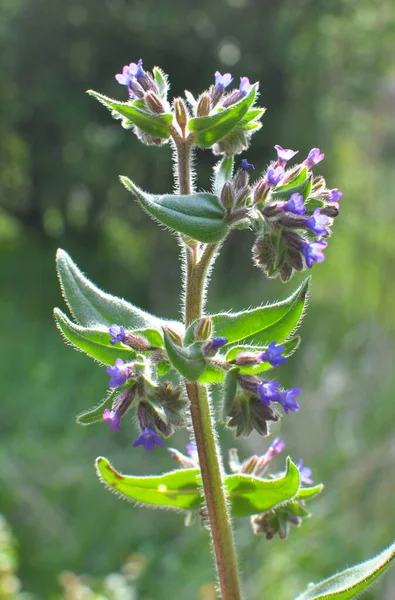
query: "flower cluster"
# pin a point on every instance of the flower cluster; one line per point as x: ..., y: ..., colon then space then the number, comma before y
x: 295, y: 212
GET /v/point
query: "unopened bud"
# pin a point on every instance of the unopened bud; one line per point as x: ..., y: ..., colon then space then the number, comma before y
x: 203, y: 329
x: 292, y: 222
x: 319, y: 184
x: 248, y: 465
x: 330, y: 210
x: 292, y: 174
x: 185, y: 461
x: 260, y: 191
x: 246, y: 359
x: 154, y: 103
x: 137, y: 342
x: 145, y: 416
x: 271, y: 210
x: 174, y: 336
x: 293, y: 240
x: 228, y: 199
x: 136, y: 88
x: 124, y: 400
x: 203, y: 107
x: 241, y: 180
x: 181, y: 113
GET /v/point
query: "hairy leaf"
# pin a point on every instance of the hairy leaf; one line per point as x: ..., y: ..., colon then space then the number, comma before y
x: 305, y: 493
x: 209, y: 130
x: 299, y: 185
x: 351, y: 582
x: 223, y: 172
x: 94, y: 415
x: 156, y: 125
x: 289, y: 346
x: 199, y: 216
x: 188, y: 360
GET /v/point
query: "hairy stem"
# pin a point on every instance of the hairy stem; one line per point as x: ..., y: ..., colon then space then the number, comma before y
x: 197, y: 267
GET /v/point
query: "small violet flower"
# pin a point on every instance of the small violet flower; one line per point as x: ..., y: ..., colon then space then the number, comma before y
x: 273, y: 355
x: 245, y: 86
x: 305, y: 473
x: 313, y: 252
x: 246, y: 166
x: 191, y: 449
x: 314, y: 156
x: 287, y: 399
x: 119, y: 373
x: 274, y: 175
x: 113, y: 419
x: 148, y: 439
x: 335, y: 195
x: 267, y: 391
x: 317, y: 222
x: 284, y: 155
x: 117, y: 333
x: 276, y: 447
x: 295, y: 205
x: 222, y: 81
x: 218, y: 342
x: 130, y: 71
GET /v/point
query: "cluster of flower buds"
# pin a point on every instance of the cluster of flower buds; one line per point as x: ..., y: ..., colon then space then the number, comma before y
x: 144, y: 92
x: 249, y: 400
x: 295, y: 213
x: 159, y: 407
x: 235, y: 193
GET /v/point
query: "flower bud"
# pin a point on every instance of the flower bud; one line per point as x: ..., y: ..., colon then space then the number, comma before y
x: 136, y: 88
x: 248, y: 465
x: 330, y: 210
x: 137, y: 342
x: 203, y: 329
x: 181, y: 113
x: 203, y: 107
x: 228, y: 199
x: 292, y: 222
x: 260, y: 192
x: 174, y: 336
x: 124, y: 400
x: 154, y: 103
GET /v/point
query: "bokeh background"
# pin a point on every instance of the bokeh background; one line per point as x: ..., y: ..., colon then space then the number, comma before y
x: 327, y: 73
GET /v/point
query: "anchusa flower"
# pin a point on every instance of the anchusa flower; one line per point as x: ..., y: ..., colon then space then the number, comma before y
x: 222, y: 81
x: 212, y: 347
x: 313, y: 252
x: 274, y: 175
x: 284, y: 155
x: 119, y: 373
x: 268, y: 391
x: 117, y: 333
x: 245, y: 86
x: 148, y: 439
x: 314, y: 156
x: 318, y: 223
x: 287, y: 400
x: 273, y: 355
x: 246, y: 166
x: 335, y: 195
x: 294, y: 205
x: 113, y: 419
x: 305, y: 473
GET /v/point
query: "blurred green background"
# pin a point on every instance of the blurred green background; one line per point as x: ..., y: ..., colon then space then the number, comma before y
x: 327, y: 73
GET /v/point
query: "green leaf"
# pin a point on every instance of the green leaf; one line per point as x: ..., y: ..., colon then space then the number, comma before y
x: 199, y: 216
x: 351, y: 582
x: 299, y: 185
x: 94, y: 342
x: 305, y: 493
x: 251, y: 495
x: 94, y: 415
x: 223, y: 172
x: 229, y: 391
x: 209, y: 130
x: 176, y: 489
x: 188, y: 360
x: 91, y: 306
x: 262, y: 325
x: 153, y: 336
x: 158, y: 126
x: 161, y: 81
x: 289, y: 346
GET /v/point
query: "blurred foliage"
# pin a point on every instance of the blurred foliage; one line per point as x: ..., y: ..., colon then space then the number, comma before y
x: 327, y: 73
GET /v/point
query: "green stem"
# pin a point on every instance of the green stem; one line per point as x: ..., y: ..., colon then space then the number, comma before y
x: 197, y: 268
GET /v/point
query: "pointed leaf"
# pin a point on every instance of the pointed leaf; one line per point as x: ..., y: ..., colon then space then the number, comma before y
x: 161, y: 81
x: 188, y: 360
x: 91, y: 306
x: 158, y: 126
x: 176, y: 489
x: 305, y: 493
x: 94, y: 415
x: 262, y: 325
x: 223, y: 172
x: 250, y: 495
x: 94, y: 342
x: 289, y: 346
x: 351, y: 582
x: 209, y: 130
x: 229, y: 391
x: 300, y: 185
x: 199, y: 216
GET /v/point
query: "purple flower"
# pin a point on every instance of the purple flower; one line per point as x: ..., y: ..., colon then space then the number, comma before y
x: 315, y: 156
x: 287, y: 399
x: 335, y: 195
x: 218, y: 342
x: 246, y: 166
x: 317, y: 222
x: 313, y: 252
x: 284, y: 155
x: 117, y: 333
x: 222, y: 81
x: 274, y: 175
x: 134, y: 70
x: 305, y: 473
x: 191, y: 449
x: 245, y: 86
x: 148, y: 439
x: 295, y: 205
x: 267, y: 391
x: 118, y: 373
x: 113, y: 419
x: 276, y: 447
x: 273, y: 355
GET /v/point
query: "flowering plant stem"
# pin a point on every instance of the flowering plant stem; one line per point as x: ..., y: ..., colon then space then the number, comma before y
x: 197, y: 267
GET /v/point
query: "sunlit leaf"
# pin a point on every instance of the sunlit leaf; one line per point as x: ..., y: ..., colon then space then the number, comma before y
x: 94, y: 415
x: 188, y: 360
x: 305, y: 493
x: 223, y: 172
x: 351, y: 582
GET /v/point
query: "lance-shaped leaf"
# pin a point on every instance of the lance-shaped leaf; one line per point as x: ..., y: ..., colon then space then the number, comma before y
x: 91, y: 306
x: 94, y: 415
x: 209, y: 130
x: 305, y: 493
x: 229, y: 391
x: 299, y: 185
x: 161, y: 80
x: 94, y: 342
x: 188, y: 360
x: 176, y: 489
x: 199, y: 216
x: 156, y: 125
x: 289, y: 349
x: 351, y: 582
x: 222, y: 172
x: 251, y: 495
x: 262, y: 325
